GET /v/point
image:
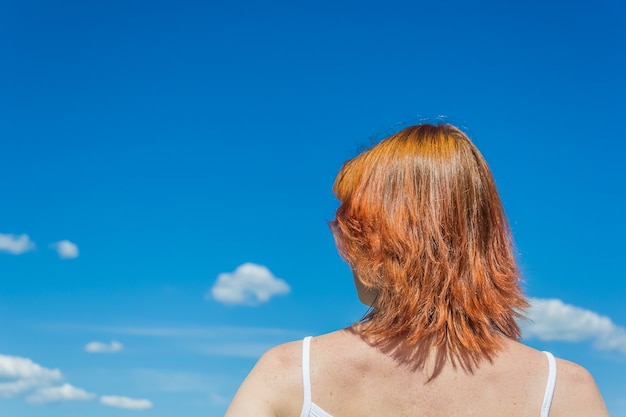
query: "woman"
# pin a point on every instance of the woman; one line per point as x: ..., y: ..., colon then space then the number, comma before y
x: 423, y: 229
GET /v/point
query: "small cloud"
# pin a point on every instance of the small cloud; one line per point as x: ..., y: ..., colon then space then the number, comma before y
x: 552, y: 319
x: 66, y: 249
x: 65, y: 392
x: 99, y: 347
x: 14, y: 244
x: 250, y: 284
x: 125, y: 402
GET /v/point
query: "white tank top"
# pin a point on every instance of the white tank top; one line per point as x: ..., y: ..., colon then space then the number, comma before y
x: 310, y: 409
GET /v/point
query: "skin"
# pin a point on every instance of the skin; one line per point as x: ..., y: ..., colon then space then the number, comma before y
x: 351, y: 378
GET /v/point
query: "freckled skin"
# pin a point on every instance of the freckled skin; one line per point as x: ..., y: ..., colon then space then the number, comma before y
x: 350, y: 378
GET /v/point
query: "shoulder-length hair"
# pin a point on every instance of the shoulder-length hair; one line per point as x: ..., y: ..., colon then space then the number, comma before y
x: 421, y: 223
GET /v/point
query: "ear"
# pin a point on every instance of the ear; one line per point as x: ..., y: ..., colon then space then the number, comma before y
x: 367, y: 295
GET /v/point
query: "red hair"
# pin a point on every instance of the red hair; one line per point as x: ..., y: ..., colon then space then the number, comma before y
x: 421, y: 223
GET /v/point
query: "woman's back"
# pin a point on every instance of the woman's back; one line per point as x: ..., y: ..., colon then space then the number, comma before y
x: 348, y: 377
x: 423, y: 229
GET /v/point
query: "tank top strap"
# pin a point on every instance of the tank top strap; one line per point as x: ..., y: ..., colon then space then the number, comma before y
x: 551, y: 383
x: 306, y: 376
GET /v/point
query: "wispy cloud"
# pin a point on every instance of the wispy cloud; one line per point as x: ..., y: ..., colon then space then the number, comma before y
x: 239, y: 350
x: 218, y: 399
x: 15, y: 244
x: 163, y: 380
x: 100, y: 347
x: 180, y: 331
x: 552, y: 319
x: 249, y: 284
x: 66, y: 249
x: 125, y: 402
x: 222, y: 341
x: 23, y: 375
x: 215, y: 386
x: 65, y: 392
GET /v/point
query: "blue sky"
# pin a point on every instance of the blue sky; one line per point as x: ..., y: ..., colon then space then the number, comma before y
x: 167, y: 170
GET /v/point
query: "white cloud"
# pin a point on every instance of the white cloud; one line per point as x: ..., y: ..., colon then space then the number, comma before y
x: 65, y: 392
x: 125, y: 402
x: 99, y: 347
x: 66, y: 249
x: 13, y: 388
x: 14, y: 244
x: 250, y: 284
x: 552, y: 319
x: 23, y: 375
x: 20, y: 375
x: 18, y: 367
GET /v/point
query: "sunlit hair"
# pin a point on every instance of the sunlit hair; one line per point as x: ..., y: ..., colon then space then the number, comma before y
x: 421, y: 222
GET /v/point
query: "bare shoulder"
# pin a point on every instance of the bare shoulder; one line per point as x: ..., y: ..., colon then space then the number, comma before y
x: 273, y: 387
x: 280, y: 367
x: 576, y: 392
x: 281, y: 359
